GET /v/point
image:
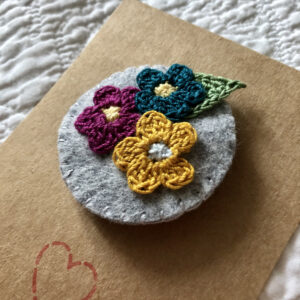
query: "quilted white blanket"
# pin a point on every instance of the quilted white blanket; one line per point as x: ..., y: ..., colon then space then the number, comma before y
x: 40, y: 38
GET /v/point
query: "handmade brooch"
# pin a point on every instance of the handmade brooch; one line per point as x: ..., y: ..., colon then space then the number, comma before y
x: 148, y: 144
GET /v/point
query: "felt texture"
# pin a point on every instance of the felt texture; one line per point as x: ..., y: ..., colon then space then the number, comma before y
x: 98, y: 185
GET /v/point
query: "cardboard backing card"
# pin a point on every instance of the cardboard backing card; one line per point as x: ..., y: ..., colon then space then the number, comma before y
x: 52, y: 248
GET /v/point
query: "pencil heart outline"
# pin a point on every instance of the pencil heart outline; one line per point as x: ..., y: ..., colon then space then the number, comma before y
x: 71, y: 264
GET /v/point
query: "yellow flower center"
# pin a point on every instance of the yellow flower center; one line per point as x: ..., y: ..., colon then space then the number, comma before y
x: 165, y: 89
x: 111, y: 113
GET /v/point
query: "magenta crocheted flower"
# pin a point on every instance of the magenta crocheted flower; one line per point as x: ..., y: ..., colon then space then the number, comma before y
x: 110, y: 120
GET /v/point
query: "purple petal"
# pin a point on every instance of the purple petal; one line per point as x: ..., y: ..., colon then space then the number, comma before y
x: 108, y: 96
x: 128, y: 99
x: 89, y: 119
x: 104, y: 139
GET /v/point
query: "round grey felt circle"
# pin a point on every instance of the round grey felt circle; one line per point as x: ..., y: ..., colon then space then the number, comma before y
x: 102, y: 188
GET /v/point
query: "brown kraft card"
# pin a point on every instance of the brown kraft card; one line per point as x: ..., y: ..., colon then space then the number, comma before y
x: 52, y: 248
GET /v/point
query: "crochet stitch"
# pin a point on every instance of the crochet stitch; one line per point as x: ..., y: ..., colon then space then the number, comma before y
x: 165, y: 89
x: 155, y: 132
x: 110, y: 120
x: 217, y: 89
x: 159, y: 151
x: 173, y: 93
x: 91, y: 178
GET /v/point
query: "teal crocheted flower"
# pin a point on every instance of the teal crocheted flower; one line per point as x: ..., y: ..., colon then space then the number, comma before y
x: 174, y: 93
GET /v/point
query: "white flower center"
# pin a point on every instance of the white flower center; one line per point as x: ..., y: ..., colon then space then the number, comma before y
x: 159, y: 151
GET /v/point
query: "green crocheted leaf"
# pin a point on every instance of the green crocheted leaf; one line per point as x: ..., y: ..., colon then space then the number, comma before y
x: 217, y: 88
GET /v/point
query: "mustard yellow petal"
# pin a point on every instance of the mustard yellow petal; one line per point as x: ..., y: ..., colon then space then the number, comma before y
x: 154, y: 127
x: 141, y: 176
x: 183, y: 137
x: 177, y: 174
x: 127, y: 150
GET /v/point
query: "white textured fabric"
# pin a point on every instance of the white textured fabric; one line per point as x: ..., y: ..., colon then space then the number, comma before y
x: 40, y: 38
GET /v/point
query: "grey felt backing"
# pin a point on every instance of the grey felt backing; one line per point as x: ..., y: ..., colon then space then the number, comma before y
x: 102, y: 188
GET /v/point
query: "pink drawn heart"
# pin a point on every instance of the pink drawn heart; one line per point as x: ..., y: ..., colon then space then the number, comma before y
x: 71, y: 264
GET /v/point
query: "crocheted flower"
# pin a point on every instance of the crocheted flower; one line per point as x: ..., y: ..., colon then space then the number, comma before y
x: 153, y: 157
x: 173, y: 93
x: 110, y: 120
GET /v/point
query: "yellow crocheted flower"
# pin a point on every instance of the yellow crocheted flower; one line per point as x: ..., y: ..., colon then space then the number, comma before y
x: 151, y: 158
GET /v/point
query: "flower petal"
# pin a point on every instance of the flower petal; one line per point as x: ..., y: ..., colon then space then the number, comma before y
x: 103, y: 141
x: 195, y: 92
x: 146, y: 101
x: 148, y: 79
x: 126, y: 123
x: 128, y: 99
x: 178, y: 105
x: 107, y: 96
x: 183, y: 137
x: 103, y: 137
x: 154, y: 127
x: 142, y: 177
x: 92, y: 117
x: 177, y: 174
x: 179, y: 75
x: 174, y: 107
x: 127, y: 150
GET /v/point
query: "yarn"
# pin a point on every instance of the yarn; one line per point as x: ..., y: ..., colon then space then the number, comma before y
x: 111, y: 119
x: 97, y: 184
x: 217, y: 88
x: 111, y: 113
x: 159, y: 151
x: 179, y: 93
x: 165, y: 89
x: 173, y: 93
x: 133, y: 154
